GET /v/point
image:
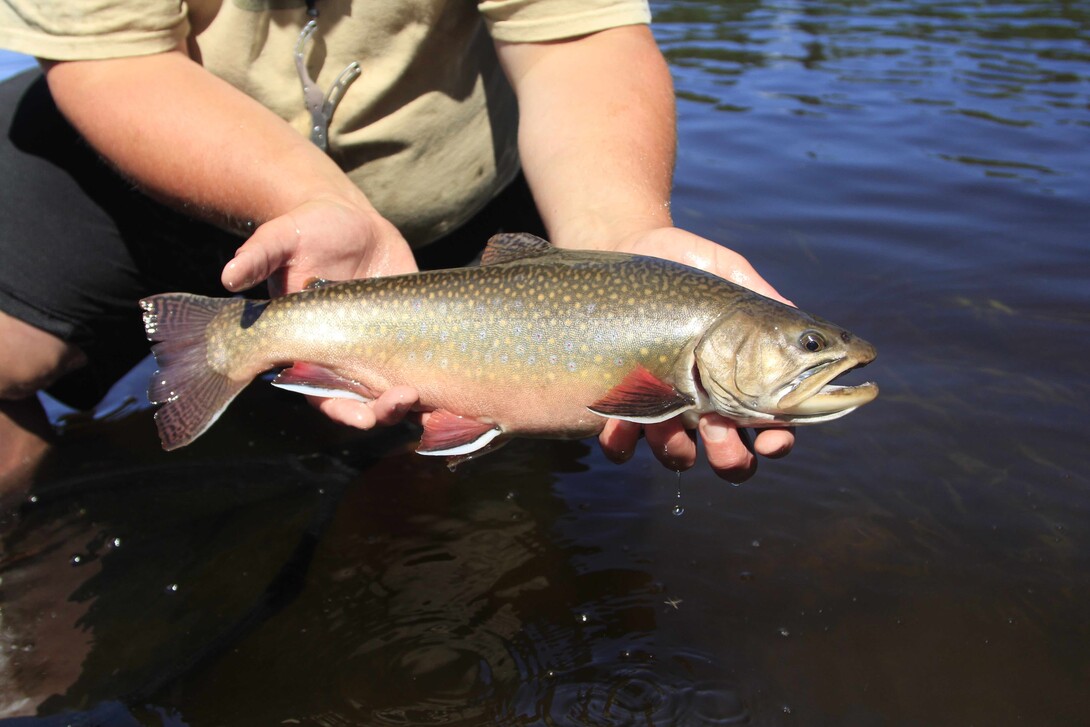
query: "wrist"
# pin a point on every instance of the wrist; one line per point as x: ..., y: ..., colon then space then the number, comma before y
x: 614, y: 232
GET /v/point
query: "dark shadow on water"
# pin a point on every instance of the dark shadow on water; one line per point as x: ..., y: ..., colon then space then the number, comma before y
x: 324, y: 577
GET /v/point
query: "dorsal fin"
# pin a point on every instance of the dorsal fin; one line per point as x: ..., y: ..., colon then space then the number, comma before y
x: 509, y: 246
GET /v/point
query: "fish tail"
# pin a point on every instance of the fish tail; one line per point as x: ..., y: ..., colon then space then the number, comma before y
x: 192, y: 393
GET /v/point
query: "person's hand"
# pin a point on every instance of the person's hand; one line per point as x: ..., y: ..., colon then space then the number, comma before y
x: 727, y: 448
x: 335, y: 240
x: 326, y: 238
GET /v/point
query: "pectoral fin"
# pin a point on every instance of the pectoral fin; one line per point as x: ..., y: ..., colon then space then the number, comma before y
x: 313, y: 380
x: 643, y: 398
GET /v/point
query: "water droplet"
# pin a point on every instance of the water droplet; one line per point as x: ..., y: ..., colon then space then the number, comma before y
x: 784, y: 632
x: 76, y: 560
x: 756, y: 543
x: 115, y: 543
x: 33, y: 499
x: 679, y: 510
x: 452, y: 465
x: 581, y: 618
x: 172, y: 588
x: 786, y: 709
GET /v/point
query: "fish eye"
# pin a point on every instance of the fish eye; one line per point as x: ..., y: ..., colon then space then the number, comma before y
x: 812, y: 341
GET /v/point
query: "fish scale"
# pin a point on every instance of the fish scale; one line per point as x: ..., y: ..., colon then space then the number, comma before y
x: 536, y: 341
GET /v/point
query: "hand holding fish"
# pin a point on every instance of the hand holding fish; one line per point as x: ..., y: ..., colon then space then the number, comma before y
x: 328, y: 238
x: 727, y: 452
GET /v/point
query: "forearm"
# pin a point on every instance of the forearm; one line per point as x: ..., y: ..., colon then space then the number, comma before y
x: 596, y: 133
x: 186, y: 136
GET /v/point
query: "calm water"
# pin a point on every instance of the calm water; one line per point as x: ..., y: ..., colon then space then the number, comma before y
x: 917, y: 171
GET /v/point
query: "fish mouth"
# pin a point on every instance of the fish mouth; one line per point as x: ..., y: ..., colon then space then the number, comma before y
x: 812, y: 395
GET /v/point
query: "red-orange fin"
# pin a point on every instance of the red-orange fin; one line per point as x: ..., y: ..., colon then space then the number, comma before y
x: 644, y: 398
x: 509, y: 246
x: 314, y: 380
x: 451, y: 435
x: 192, y: 394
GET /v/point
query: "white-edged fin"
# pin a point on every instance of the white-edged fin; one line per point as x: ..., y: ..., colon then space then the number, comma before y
x: 473, y: 447
x: 641, y: 420
x: 451, y: 435
x: 322, y: 392
x: 314, y: 380
x: 642, y: 398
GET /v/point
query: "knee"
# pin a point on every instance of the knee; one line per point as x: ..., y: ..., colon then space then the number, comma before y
x: 31, y: 359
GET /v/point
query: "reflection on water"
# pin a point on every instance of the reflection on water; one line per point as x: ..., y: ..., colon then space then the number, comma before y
x: 917, y: 171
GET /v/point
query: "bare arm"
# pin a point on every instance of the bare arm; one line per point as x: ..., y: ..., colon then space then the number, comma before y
x: 597, y: 141
x: 186, y: 136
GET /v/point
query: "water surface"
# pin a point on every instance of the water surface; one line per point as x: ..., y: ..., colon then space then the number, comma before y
x: 916, y: 171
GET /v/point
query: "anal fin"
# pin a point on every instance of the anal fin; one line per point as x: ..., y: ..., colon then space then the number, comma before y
x: 314, y: 380
x: 643, y: 398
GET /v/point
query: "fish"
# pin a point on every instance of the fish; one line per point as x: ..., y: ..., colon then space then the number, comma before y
x: 536, y: 341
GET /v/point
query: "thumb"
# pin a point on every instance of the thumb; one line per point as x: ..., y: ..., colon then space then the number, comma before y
x: 270, y: 248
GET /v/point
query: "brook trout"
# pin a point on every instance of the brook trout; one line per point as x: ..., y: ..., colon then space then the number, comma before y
x: 536, y: 342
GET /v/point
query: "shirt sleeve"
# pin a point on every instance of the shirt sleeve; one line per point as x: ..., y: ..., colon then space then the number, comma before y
x: 66, y: 30
x: 534, y: 21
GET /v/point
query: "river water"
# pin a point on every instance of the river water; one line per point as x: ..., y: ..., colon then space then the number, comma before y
x: 917, y: 171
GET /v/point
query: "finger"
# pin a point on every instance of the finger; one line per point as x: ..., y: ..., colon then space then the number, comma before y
x: 270, y: 248
x: 618, y: 440
x: 727, y: 453
x: 746, y: 275
x: 393, y: 404
x: 352, y: 413
x: 774, y: 443
x: 671, y: 444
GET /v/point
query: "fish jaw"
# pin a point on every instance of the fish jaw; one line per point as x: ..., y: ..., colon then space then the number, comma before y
x: 812, y: 397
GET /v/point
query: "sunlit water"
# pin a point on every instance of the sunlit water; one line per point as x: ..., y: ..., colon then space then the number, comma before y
x: 915, y: 171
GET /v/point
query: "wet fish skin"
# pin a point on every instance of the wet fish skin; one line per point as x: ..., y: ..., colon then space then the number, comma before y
x: 536, y: 342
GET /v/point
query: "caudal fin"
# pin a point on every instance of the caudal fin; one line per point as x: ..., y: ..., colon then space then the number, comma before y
x: 192, y: 393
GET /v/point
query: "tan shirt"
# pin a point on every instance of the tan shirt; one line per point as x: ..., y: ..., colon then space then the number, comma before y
x: 427, y: 131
